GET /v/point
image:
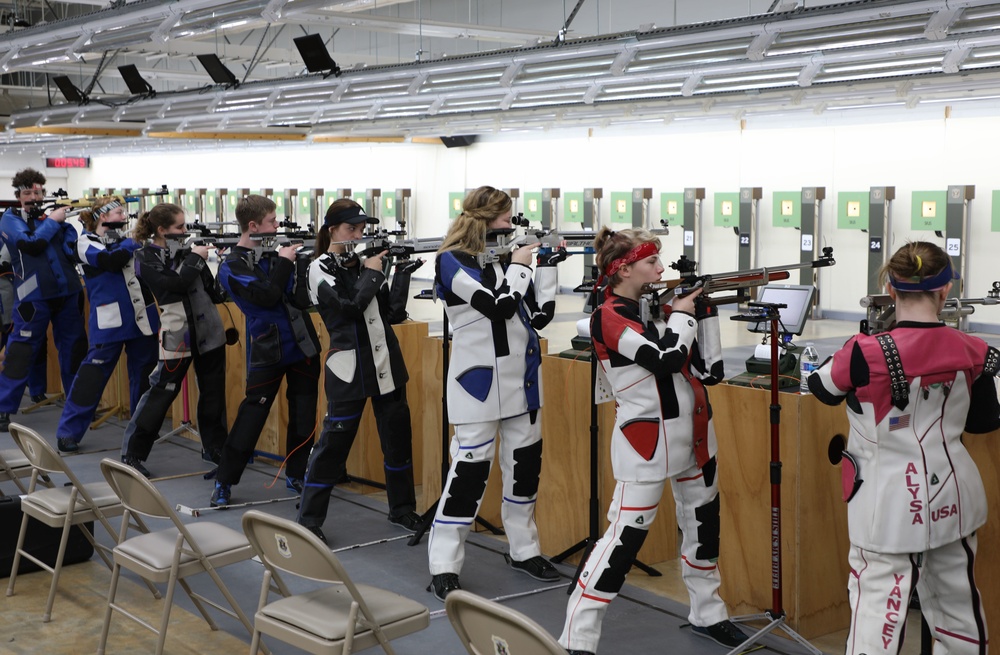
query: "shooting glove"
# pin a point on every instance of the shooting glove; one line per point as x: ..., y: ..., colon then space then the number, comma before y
x: 407, y: 266
x: 552, y: 257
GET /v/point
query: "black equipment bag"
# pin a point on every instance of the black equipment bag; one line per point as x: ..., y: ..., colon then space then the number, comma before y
x: 41, y: 540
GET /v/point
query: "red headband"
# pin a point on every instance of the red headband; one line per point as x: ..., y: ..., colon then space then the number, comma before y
x: 641, y: 251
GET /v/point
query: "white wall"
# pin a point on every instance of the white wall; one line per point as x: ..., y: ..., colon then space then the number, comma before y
x: 913, y: 152
x: 55, y: 178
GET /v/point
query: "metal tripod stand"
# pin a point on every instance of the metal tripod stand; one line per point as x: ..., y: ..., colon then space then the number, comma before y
x: 776, y: 615
x: 186, y: 424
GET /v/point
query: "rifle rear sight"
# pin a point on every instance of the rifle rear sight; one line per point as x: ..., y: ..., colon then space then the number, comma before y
x: 684, y: 266
x: 518, y: 220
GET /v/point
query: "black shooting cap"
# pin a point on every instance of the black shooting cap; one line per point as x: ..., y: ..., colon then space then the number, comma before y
x: 355, y: 215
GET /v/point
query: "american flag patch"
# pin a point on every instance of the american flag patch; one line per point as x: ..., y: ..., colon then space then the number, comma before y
x: 899, y: 422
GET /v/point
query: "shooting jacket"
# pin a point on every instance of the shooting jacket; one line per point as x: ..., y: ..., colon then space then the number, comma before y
x: 920, y: 487
x: 358, y: 309
x: 6, y: 288
x: 121, y: 307
x: 657, y: 370
x: 186, y: 292
x: 42, y: 255
x: 494, y: 312
x: 266, y: 291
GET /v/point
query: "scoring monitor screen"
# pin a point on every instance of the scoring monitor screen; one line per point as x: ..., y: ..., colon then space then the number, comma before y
x: 798, y: 297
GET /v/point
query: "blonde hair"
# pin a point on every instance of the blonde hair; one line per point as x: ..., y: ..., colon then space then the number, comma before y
x: 480, y: 208
x: 610, y: 245
x: 161, y: 215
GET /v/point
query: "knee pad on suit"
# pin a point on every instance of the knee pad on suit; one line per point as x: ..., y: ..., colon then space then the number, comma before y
x: 335, y: 424
x: 527, y: 468
x: 19, y: 360
x: 708, y: 530
x: 88, y: 386
x: 466, y: 488
x: 621, y: 560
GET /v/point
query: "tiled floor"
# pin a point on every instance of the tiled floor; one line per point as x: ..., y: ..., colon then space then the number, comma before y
x: 647, y: 618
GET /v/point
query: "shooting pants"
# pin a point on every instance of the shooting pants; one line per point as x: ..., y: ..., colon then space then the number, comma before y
x: 31, y: 320
x: 262, y: 387
x: 92, y: 377
x: 633, y: 509
x: 328, y: 461
x: 164, y: 386
x: 879, y: 588
x: 472, y: 450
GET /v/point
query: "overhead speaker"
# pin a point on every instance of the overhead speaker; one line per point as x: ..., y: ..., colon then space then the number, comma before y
x: 459, y: 141
x: 217, y: 70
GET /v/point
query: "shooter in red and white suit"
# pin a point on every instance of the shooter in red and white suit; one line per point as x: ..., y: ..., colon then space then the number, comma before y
x: 658, y: 370
x: 915, y: 495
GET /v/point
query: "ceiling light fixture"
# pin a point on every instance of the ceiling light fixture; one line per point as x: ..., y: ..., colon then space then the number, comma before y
x: 137, y: 86
x: 315, y: 55
x: 69, y: 90
x: 218, y: 71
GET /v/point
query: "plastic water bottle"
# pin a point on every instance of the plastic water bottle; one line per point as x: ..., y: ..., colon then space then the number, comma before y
x: 808, y: 362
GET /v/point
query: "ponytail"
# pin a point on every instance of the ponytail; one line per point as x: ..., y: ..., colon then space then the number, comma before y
x: 161, y: 215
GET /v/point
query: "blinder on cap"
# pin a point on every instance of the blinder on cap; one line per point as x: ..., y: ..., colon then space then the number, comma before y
x: 355, y: 215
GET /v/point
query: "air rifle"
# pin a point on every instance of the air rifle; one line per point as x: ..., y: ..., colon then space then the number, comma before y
x: 738, y: 281
x: 881, y: 311
x: 181, y: 243
x: 76, y: 206
x: 385, y: 240
x: 561, y: 243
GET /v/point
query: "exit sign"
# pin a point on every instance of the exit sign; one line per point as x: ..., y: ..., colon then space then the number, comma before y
x: 67, y: 162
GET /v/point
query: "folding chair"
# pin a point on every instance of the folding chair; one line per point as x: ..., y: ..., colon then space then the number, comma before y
x: 486, y: 627
x: 14, y: 466
x: 169, y: 555
x: 58, y: 507
x: 333, y: 620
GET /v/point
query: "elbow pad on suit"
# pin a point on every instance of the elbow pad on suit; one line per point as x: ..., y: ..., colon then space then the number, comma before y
x: 114, y: 259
